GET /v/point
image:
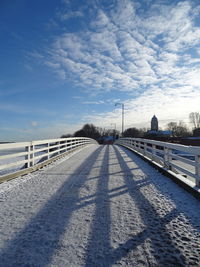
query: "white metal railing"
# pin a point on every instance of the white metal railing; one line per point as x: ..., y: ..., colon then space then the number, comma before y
x: 184, y: 160
x: 26, y: 155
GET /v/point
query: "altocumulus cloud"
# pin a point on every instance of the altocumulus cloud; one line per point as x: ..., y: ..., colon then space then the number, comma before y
x: 151, y: 53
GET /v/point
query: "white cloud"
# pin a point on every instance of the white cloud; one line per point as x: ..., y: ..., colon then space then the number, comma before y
x: 175, y: 25
x: 121, y: 47
x: 99, y: 102
x: 101, y: 21
x: 69, y: 15
x: 145, y: 55
x: 124, y: 14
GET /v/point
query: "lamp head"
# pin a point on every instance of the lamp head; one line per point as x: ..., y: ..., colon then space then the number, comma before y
x: 116, y: 104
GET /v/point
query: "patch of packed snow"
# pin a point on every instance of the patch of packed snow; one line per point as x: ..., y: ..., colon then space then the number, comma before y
x: 103, y: 206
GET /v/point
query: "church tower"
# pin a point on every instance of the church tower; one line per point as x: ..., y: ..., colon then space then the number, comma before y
x: 154, y: 124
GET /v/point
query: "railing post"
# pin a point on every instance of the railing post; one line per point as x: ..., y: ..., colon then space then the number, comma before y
x: 153, y: 151
x: 139, y: 147
x: 145, y: 148
x: 66, y: 146
x: 131, y: 142
x: 197, y: 170
x: 142, y: 148
x: 77, y: 143
x: 138, y: 144
x: 82, y: 142
x: 167, y: 158
x: 29, y: 156
x: 48, y: 150
x: 32, y: 155
x: 58, y: 147
x: 134, y: 144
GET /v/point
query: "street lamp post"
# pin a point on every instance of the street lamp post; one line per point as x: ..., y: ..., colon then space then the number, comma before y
x: 121, y: 104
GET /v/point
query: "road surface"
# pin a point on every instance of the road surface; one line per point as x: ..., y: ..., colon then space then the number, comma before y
x: 104, y: 206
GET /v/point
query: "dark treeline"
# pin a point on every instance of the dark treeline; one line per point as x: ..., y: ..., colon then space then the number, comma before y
x: 134, y: 132
x: 91, y: 131
x: 177, y: 130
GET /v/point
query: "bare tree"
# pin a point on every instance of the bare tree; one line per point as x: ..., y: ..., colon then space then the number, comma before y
x: 88, y: 130
x: 178, y: 129
x: 97, y: 133
x: 134, y: 132
x: 195, y: 119
x: 171, y: 126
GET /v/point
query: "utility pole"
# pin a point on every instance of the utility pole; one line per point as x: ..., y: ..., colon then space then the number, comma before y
x: 122, y: 105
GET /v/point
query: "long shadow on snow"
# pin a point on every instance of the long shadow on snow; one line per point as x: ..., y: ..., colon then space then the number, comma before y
x: 36, y: 243
x: 99, y: 251
x: 163, y: 185
x: 99, y: 239
x: 163, y: 248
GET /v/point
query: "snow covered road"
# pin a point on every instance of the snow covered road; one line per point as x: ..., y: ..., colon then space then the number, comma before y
x: 103, y: 206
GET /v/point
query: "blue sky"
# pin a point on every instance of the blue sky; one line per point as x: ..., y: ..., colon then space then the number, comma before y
x: 65, y: 63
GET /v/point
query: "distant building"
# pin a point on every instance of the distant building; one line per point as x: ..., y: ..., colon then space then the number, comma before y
x: 154, y: 129
x: 154, y: 124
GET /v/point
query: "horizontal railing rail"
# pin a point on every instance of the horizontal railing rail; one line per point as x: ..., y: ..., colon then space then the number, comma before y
x: 20, y: 158
x: 180, y: 159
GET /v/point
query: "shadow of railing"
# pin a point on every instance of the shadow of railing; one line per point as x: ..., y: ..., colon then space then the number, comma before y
x: 99, y: 251
x: 36, y: 243
x: 99, y: 239
x: 163, y: 248
x: 166, y: 187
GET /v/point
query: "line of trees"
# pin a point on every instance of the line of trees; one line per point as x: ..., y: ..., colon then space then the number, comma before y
x: 179, y: 129
x: 134, y: 132
x: 90, y: 130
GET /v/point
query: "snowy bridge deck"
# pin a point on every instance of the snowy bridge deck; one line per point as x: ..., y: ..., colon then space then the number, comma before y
x: 104, y: 206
